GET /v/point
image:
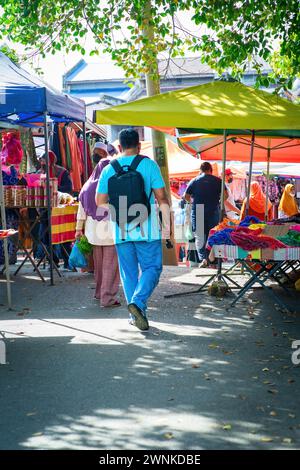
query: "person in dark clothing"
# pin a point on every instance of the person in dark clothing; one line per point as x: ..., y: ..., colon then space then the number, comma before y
x: 64, y: 183
x: 204, y: 192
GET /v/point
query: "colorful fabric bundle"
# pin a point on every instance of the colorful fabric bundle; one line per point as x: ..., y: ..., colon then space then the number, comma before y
x: 295, y: 227
x: 226, y: 223
x: 221, y: 238
x: 292, y: 238
x: 256, y: 226
x: 254, y: 240
x: 250, y: 219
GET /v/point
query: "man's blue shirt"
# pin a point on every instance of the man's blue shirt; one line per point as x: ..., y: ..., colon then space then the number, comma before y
x: 153, y: 180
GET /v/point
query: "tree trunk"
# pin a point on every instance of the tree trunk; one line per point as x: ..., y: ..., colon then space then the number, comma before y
x: 158, y: 138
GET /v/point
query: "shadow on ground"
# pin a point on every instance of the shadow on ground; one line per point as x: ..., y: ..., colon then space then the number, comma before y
x: 205, y: 377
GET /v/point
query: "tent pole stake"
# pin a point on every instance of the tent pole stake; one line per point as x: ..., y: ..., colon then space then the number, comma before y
x: 86, y: 172
x: 250, y: 170
x: 48, y: 191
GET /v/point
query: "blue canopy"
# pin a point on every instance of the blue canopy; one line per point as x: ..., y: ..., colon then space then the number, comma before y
x: 25, y: 98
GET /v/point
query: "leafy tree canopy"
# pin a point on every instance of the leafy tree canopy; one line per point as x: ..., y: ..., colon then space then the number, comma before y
x: 227, y: 34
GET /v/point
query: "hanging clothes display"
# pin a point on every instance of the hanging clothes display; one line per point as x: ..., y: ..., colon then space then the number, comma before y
x: 56, y: 144
x: 67, y: 148
x: 11, y: 152
x: 88, y: 155
x: 273, y: 188
x: 238, y: 189
x: 62, y: 146
x: 75, y: 155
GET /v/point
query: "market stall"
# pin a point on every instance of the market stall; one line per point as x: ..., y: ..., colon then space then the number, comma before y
x: 26, y: 100
x: 227, y: 109
x: 265, y: 251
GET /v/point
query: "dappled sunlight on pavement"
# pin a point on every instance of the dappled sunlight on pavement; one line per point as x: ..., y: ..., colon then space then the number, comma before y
x: 205, y: 376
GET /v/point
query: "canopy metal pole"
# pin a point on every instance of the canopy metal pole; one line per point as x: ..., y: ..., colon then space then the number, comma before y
x: 222, y: 208
x: 86, y: 172
x: 222, y: 211
x: 5, y: 241
x: 250, y: 170
x: 48, y: 190
x: 267, y: 185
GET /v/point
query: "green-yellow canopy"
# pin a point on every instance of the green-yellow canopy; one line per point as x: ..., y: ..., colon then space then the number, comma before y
x: 210, y: 108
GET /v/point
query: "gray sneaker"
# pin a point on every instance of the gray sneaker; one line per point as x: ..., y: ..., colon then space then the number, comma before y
x: 140, y: 321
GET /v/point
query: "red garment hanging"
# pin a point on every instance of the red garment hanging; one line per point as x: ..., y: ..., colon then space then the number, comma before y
x: 77, y: 168
x: 89, y: 160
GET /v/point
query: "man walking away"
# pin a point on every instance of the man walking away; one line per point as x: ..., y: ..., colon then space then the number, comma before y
x: 204, y: 191
x: 138, y: 181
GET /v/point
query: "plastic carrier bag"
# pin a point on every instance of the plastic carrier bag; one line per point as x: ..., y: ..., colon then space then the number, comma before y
x: 77, y: 258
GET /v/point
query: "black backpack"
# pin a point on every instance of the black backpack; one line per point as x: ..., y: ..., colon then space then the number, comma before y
x: 127, y: 181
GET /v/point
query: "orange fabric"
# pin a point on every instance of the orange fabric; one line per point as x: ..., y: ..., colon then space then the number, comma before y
x: 259, y: 215
x: 226, y: 223
x: 257, y: 201
x: 288, y: 203
x: 52, y: 161
x: 76, y: 159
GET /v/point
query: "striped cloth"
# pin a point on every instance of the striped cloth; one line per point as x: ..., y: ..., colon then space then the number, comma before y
x: 63, y: 223
x: 235, y: 252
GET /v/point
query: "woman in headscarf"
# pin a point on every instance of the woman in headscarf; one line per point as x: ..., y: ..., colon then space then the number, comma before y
x: 95, y: 224
x: 55, y: 171
x: 288, y: 205
x: 257, y: 203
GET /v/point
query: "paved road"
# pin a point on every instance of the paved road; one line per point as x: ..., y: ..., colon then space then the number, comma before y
x: 205, y: 377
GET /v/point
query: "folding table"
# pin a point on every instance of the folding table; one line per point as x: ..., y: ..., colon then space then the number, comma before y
x: 262, y: 266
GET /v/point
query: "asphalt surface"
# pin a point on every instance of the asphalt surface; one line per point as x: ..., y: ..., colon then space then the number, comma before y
x: 206, y: 375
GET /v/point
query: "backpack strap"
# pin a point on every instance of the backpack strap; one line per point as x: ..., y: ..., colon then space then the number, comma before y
x: 136, y: 161
x: 116, y: 166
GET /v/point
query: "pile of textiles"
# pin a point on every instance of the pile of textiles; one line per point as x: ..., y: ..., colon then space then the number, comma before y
x: 248, y: 235
x: 222, y: 237
x: 250, y: 240
x: 226, y: 223
x: 292, y: 238
x: 256, y: 226
x: 249, y: 220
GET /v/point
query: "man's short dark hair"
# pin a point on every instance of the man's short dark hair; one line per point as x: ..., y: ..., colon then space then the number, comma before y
x: 206, y: 167
x: 129, y: 139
